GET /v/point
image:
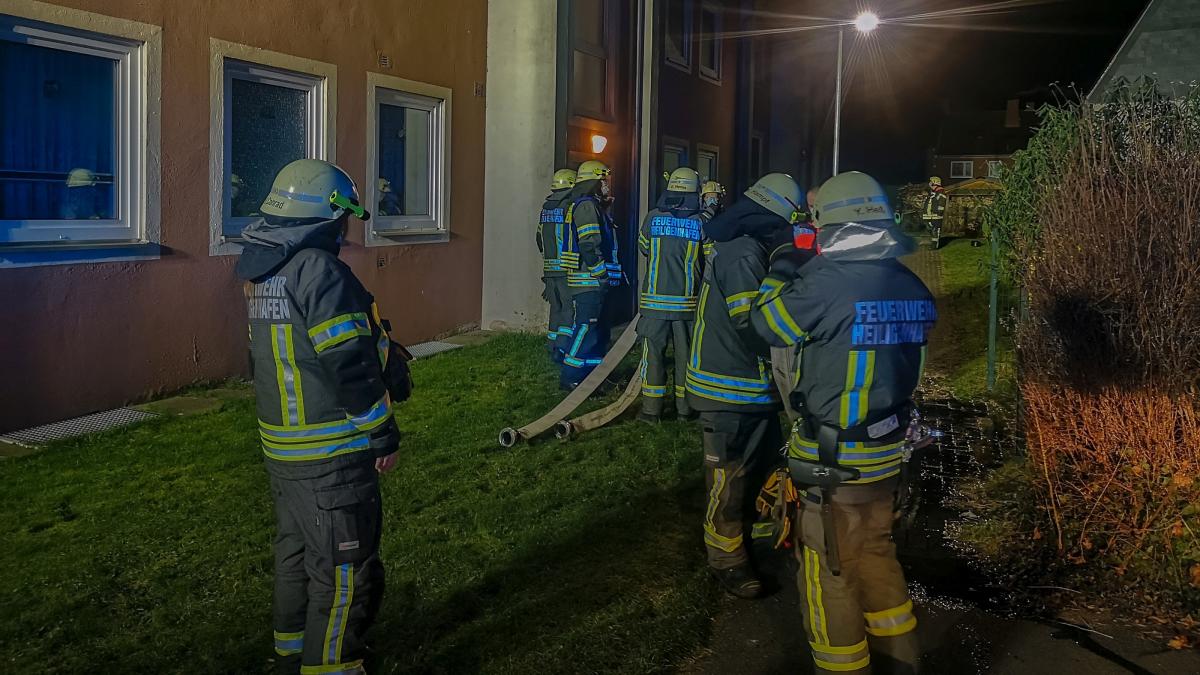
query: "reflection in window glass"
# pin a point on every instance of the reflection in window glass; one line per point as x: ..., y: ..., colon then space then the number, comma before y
x: 710, y: 43
x: 404, y: 161
x: 589, y: 21
x: 268, y: 129
x: 679, y: 32
x: 707, y: 165
x: 57, y: 134
x: 674, y: 156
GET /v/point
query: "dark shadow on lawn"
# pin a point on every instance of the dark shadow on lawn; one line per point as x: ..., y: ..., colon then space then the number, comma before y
x: 558, y: 594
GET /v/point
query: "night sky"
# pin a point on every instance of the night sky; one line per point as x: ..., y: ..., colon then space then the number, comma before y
x: 903, y: 78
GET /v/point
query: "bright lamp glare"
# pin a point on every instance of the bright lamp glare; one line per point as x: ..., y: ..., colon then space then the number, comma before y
x: 866, y: 22
x: 599, y: 143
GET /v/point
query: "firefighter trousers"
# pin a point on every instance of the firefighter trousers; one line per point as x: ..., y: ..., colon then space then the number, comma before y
x: 659, y: 335
x: 589, y: 341
x: 867, y: 608
x: 740, y: 450
x: 328, y: 576
x: 559, y: 330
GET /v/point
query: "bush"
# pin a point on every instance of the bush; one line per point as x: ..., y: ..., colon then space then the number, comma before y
x: 1101, y: 227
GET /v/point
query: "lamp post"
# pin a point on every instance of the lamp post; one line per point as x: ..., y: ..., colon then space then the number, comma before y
x: 863, y: 23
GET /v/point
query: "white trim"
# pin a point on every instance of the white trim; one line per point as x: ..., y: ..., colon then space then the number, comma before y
x: 970, y: 169
x: 275, y: 66
x: 712, y: 75
x: 687, y: 60
x: 137, y: 47
x: 432, y: 228
x: 993, y: 172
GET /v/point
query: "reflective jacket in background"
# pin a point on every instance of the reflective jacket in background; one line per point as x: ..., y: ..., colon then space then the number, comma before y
x: 935, y: 205
x: 552, y: 232
x: 863, y: 321
x: 317, y: 351
x: 671, y: 238
x: 726, y: 371
x: 590, y: 252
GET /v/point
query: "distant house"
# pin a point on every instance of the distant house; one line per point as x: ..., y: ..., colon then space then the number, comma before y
x: 1164, y: 44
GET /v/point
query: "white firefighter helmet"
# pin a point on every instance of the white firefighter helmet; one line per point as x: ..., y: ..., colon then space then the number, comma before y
x: 683, y: 179
x: 780, y: 194
x: 312, y: 188
x: 852, y: 197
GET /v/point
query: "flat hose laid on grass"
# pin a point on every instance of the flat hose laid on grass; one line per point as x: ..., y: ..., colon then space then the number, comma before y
x: 566, y: 429
x: 510, y: 437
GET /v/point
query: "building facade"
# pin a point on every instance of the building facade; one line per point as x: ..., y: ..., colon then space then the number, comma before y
x: 1164, y: 45
x: 140, y: 136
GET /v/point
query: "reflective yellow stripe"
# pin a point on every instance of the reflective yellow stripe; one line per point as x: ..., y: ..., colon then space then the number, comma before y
x: 711, y: 537
x: 339, y: 614
x: 891, y: 622
x: 291, y: 356
x: 860, y: 373
x: 349, y: 668
x: 841, y: 659
x: 843, y: 667
x: 283, y: 396
x: 816, y: 608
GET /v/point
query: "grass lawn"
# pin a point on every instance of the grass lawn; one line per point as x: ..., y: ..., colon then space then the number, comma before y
x: 148, y: 549
x: 958, y: 348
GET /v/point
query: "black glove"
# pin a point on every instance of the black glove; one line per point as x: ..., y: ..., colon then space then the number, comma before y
x: 787, y: 260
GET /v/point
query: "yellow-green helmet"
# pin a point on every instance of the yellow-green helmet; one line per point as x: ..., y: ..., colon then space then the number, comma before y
x: 683, y: 179
x: 852, y: 197
x: 780, y: 194
x: 712, y: 187
x: 935, y: 180
x: 593, y: 169
x: 313, y: 188
x: 563, y: 179
x: 81, y: 178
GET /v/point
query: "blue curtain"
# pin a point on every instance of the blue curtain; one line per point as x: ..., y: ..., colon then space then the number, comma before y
x: 57, y: 123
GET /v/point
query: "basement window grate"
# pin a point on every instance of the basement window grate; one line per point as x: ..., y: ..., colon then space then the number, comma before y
x: 426, y: 349
x: 79, y: 426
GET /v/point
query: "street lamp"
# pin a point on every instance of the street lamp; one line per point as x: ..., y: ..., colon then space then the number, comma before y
x: 864, y: 23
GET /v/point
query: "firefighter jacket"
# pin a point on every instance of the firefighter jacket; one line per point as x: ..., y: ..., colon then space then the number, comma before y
x: 552, y: 232
x: 862, y: 319
x: 590, y: 253
x: 317, y: 351
x: 935, y: 205
x: 726, y: 370
x: 672, y: 239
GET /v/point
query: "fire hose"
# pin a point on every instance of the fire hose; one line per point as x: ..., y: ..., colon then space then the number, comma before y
x: 559, y: 414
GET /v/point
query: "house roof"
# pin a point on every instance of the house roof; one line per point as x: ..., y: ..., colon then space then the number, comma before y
x: 974, y: 186
x: 1164, y: 43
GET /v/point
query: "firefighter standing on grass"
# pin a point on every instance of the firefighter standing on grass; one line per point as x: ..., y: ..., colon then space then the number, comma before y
x: 672, y: 240
x: 729, y: 379
x: 552, y: 225
x: 934, y: 213
x: 324, y: 417
x: 862, y: 319
x: 590, y: 258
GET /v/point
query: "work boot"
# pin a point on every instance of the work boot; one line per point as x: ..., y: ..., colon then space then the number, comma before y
x: 648, y: 417
x: 739, y: 581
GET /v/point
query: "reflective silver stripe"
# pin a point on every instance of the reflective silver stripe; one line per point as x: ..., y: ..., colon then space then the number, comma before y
x: 841, y: 659
x: 289, y: 372
x: 895, y: 621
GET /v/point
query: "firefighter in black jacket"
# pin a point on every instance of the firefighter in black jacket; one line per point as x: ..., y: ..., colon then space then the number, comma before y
x: 590, y: 258
x: 324, y: 416
x: 672, y: 240
x: 551, y: 232
x: 934, y: 213
x: 729, y: 378
x: 862, y: 319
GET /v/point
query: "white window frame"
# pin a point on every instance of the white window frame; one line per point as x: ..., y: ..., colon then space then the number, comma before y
x: 995, y: 166
x: 137, y: 49
x: 229, y: 61
x: 414, y: 229
x: 683, y: 63
x: 712, y: 152
x: 956, y: 173
x: 712, y: 75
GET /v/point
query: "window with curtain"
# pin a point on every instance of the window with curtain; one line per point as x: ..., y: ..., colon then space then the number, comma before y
x: 70, y: 136
x: 272, y: 117
x: 407, y: 173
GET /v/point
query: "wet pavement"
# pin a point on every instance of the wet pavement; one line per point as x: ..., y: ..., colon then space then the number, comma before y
x: 968, y: 624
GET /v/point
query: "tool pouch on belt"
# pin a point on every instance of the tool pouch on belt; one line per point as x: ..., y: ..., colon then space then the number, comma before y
x: 352, y: 513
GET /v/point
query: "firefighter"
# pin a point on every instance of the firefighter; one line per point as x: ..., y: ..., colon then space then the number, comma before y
x: 324, y: 416
x: 671, y: 239
x: 590, y: 258
x: 550, y: 235
x: 729, y: 378
x: 712, y: 197
x: 934, y: 212
x: 862, y: 319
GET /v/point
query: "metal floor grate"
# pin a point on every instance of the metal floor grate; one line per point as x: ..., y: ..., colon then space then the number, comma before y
x: 88, y: 424
x: 430, y: 348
